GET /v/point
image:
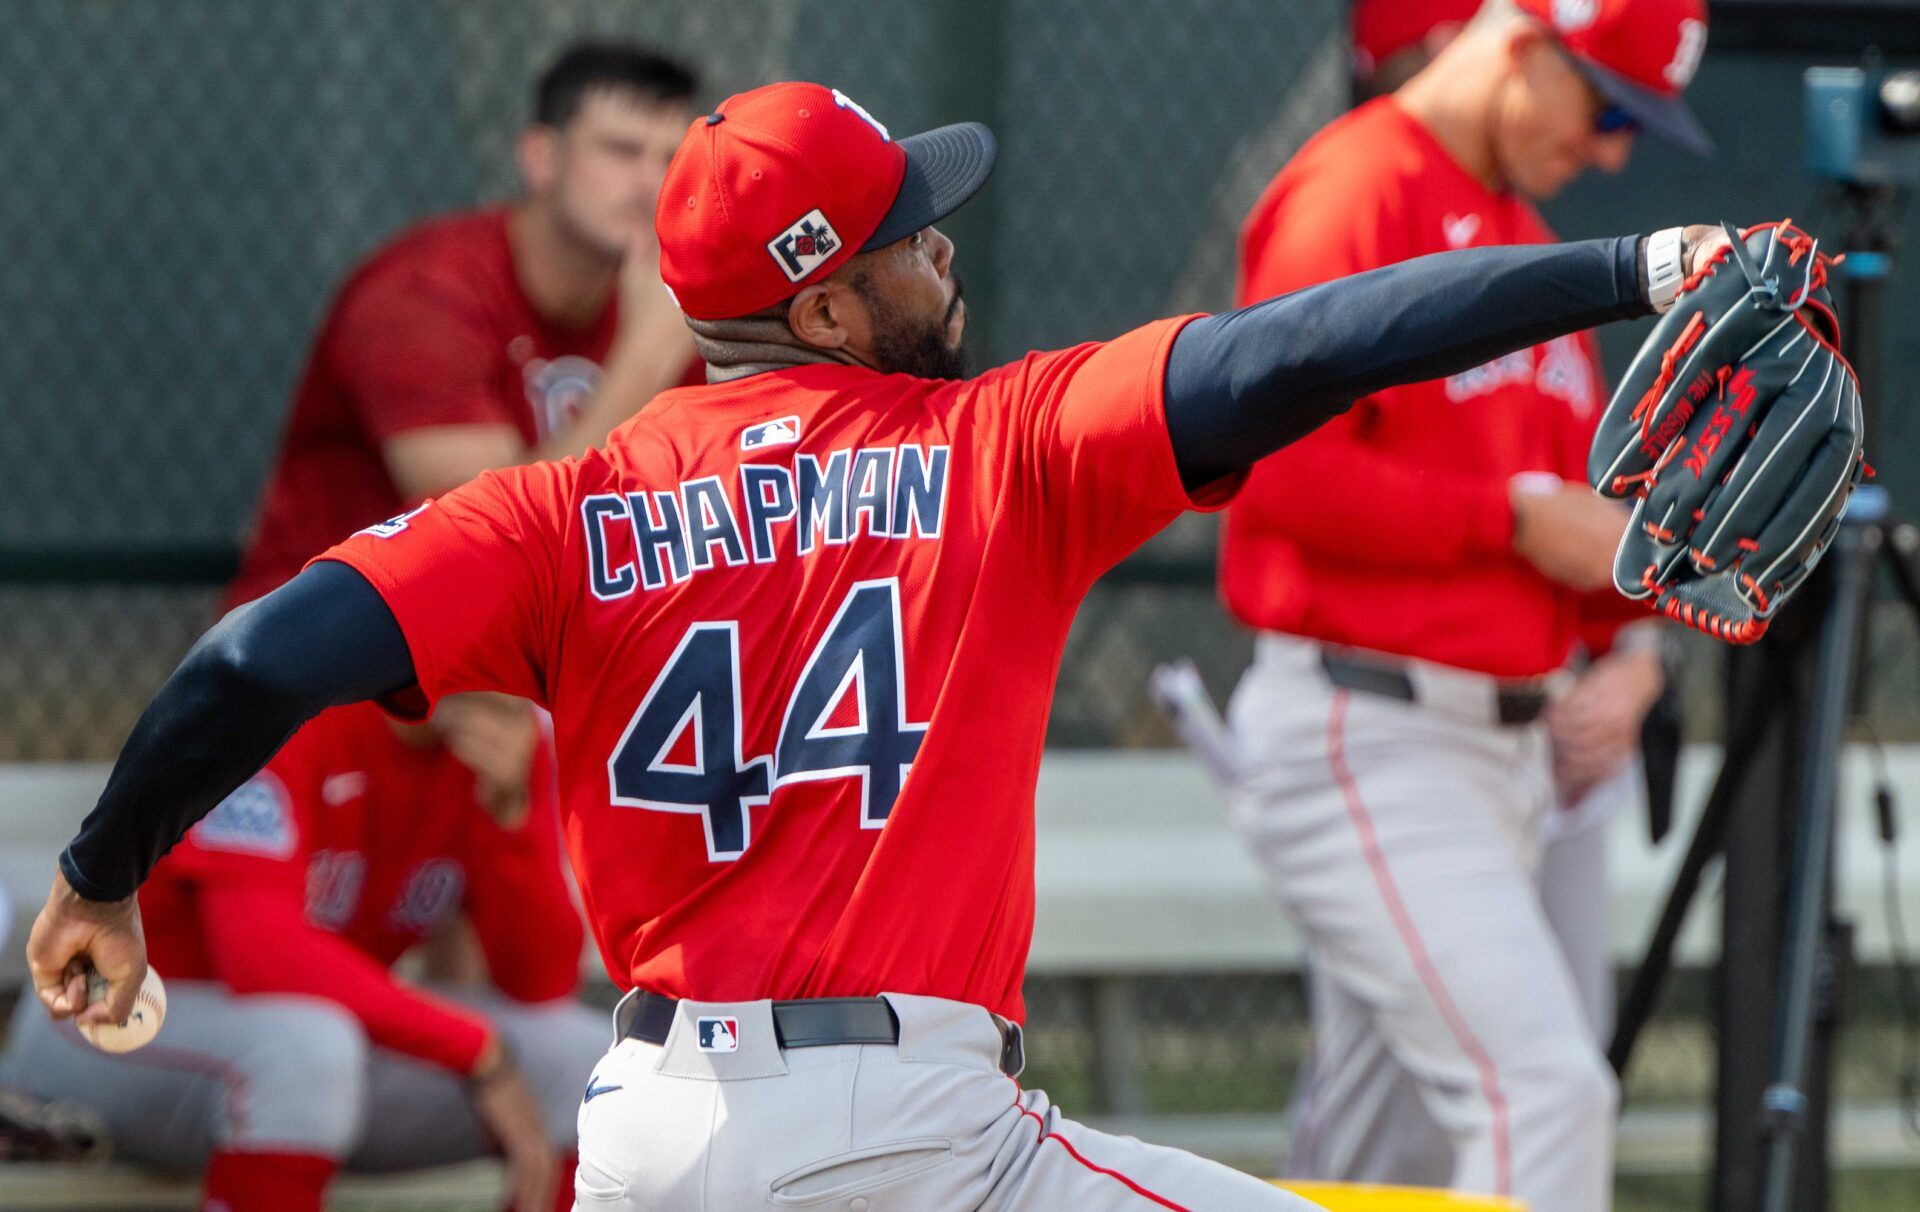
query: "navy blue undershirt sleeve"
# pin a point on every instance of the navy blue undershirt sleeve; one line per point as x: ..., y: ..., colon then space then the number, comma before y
x: 322, y: 639
x: 1242, y: 384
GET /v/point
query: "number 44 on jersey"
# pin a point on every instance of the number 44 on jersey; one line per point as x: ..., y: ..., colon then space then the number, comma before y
x: 682, y: 751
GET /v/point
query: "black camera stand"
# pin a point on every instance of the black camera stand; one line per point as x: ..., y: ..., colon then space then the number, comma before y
x: 1785, y: 955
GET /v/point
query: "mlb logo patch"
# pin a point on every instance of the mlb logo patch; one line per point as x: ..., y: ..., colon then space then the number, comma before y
x: 719, y: 1034
x: 394, y: 525
x: 784, y: 432
x: 805, y: 244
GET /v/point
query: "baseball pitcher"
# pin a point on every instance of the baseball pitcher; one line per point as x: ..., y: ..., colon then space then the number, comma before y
x: 798, y: 629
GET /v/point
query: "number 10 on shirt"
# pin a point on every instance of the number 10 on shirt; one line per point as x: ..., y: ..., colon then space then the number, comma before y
x: 698, y: 694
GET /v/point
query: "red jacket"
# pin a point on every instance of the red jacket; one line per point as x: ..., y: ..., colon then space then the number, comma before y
x: 349, y: 848
x: 1390, y: 527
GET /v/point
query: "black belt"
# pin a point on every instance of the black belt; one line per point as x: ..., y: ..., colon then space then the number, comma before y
x: 1516, y: 704
x: 814, y: 1023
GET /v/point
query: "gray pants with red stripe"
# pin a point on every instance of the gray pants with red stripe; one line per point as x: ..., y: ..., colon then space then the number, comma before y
x: 1406, y: 841
x: 928, y: 1123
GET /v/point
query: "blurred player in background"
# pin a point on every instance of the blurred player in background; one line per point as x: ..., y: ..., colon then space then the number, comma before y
x: 1393, y: 41
x: 290, y: 1048
x: 494, y: 336
x: 478, y: 340
x: 1407, y: 721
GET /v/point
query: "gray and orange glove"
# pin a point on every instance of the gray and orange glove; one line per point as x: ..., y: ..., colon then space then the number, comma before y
x: 1737, y: 434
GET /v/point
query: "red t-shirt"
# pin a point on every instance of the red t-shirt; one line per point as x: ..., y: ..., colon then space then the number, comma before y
x: 1389, y: 528
x: 349, y: 848
x: 432, y: 329
x: 799, y: 634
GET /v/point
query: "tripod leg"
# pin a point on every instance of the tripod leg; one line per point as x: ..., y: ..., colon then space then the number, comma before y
x: 1745, y: 729
x: 1784, y: 1105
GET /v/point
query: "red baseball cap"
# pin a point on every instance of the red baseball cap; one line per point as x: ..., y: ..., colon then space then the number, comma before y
x: 782, y: 185
x: 1382, y: 28
x: 1640, y: 54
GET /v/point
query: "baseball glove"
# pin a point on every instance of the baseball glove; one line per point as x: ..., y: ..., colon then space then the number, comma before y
x: 1737, y: 431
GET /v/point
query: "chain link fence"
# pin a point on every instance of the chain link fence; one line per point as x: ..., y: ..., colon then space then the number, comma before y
x: 189, y: 181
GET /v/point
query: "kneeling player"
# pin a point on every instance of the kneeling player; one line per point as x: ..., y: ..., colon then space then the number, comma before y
x: 290, y: 1049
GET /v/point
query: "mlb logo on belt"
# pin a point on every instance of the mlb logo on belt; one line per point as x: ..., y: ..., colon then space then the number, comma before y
x: 784, y: 432
x: 804, y: 245
x: 719, y: 1034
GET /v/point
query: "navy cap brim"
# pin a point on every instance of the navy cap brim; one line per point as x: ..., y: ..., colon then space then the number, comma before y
x: 1665, y: 118
x: 945, y: 167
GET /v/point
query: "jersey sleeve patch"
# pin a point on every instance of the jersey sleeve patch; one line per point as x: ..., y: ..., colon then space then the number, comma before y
x: 397, y: 524
x: 256, y: 819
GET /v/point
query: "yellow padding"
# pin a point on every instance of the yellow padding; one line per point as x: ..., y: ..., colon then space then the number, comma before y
x: 1345, y: 1197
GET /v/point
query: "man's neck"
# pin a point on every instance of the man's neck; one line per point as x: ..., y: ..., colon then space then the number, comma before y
x: 567, y: 283
x: 1454, y: 98
x: 750, y: 345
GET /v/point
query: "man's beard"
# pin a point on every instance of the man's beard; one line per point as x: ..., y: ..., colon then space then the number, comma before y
x: 910, y: 345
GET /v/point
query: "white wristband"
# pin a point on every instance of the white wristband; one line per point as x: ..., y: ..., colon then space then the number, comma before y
x: 1535, y: 483
x: 1666, y: 267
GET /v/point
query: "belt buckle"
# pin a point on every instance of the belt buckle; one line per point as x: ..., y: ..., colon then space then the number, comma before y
x: 1013, y: 1048
x: 1520, y: 704
x: 624, y: 1012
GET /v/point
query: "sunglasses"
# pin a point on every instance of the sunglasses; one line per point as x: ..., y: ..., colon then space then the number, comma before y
x: 1613, y: 120
x: 1608, y: 119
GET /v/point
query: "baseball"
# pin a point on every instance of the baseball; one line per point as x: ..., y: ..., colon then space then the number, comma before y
x: 138, y: 1028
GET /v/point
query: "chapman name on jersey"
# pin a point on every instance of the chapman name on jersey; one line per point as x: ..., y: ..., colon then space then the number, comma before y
x: 799, y: 632
x: 645, y: 540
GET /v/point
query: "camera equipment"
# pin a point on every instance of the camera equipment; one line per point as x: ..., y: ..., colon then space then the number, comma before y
x: 1789, y: 703
x: 1861, y: 124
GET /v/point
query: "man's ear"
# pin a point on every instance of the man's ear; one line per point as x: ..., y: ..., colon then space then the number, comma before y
x: 1524, y: 40
x: 811, y: 317
x: 538, y: 154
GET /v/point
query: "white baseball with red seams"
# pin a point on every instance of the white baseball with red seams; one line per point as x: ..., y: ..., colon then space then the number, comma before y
x: 141, y: 1024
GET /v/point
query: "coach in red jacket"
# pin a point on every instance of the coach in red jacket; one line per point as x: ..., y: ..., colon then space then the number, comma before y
x: 1422, y: 571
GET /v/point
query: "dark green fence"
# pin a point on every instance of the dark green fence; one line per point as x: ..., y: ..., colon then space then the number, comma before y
x: 186, y: 181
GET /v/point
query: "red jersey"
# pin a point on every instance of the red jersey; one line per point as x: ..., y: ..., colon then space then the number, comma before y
x: 350, y: 847
x: 799, y: 635
x: 1390, y: 527
x: 432, y: 329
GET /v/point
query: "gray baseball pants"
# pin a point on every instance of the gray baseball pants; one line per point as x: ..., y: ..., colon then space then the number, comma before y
x: 929, y: 1123
x: 1376, y: 1129
x: 1406, y: 841
x: 294, y: 1074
